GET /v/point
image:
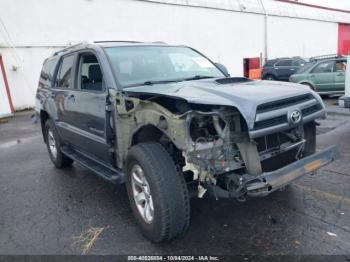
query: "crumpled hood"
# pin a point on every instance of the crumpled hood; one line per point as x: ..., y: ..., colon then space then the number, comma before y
x: 245, y: 96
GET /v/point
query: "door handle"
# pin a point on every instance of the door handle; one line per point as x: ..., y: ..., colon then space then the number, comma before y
x: 292, y: 69
x: 340, y: 74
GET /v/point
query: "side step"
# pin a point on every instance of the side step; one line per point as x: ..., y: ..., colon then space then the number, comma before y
x: 108, y: 173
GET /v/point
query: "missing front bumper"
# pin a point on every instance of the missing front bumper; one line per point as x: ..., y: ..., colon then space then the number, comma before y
x: 266, y: 183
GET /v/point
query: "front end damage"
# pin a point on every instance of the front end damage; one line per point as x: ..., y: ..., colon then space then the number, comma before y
x: 268, y: 182
x: 227, y: 163
x: 214, y: 147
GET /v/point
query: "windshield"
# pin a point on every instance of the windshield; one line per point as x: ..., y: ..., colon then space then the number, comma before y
x: 142, y: 65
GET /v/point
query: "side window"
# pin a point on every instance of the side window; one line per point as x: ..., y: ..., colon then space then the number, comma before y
x: 299, y: 62
x: 64, y: 76
x: 287, y: 62
x: 324, y: 67
x: 47, y: 72
x: 90, y: 74
x: 340, y: 66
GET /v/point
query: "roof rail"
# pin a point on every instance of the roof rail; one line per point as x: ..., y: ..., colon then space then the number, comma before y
x: 116, y: 41
x: 70, y: 47
x: 322, y: 57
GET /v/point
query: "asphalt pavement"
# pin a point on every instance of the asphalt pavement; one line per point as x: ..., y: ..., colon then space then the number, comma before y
x: 44, y: 210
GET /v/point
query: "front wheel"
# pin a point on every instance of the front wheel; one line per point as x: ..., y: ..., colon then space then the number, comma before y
x: 157, y: 192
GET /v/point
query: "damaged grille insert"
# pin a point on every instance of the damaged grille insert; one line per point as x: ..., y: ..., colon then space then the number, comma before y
x: 310, y: 110
x: 283, y: 103
x: 270, y: 122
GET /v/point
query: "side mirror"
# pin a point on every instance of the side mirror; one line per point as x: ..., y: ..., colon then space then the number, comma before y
x: 223, y: 69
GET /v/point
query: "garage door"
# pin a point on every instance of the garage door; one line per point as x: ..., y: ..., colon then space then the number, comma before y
x: 343, y: 39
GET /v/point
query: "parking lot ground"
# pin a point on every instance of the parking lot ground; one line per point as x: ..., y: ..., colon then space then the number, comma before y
x: 43, y: 209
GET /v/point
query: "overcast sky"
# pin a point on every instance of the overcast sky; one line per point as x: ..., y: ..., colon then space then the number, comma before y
x: 341, y: 4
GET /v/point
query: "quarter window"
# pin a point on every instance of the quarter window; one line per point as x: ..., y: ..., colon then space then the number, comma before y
x: 64, y: 77
x: 46, y: 75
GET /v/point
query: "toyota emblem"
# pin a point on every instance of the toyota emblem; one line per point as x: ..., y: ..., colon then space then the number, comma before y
x: 295, y: 116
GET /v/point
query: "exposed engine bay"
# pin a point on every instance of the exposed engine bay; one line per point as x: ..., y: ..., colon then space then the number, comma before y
x: 222, y: 153
x: 211, y: 144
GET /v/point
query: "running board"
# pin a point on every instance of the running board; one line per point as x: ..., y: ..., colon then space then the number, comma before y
x: 108, y: 173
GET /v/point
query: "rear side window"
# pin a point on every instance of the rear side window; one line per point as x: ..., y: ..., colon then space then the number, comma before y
x: 287, y: 62
x: 47, y: 73
x: 271, y: 62
x: 299, y: 62
x: 64, y: 76
x: 324, y: 67
x: 340, y: 66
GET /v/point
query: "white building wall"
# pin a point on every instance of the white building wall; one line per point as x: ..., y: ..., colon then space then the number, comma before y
x: 38, y: 27
x: 301, y: 37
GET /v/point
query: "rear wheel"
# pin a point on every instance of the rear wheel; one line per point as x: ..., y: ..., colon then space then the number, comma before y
x: 53, y: 144
x: 269, y: 77
x: 157, y: 192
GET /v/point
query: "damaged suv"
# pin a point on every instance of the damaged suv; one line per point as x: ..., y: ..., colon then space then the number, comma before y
x: 172, y: 125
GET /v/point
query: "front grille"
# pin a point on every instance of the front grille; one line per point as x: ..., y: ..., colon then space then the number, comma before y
x: 310, y: 110
x: 267, y: 142
x: 270, y: 122
x: 283, y: 103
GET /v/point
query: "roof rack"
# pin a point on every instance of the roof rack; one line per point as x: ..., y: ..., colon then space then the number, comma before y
x: 322, y: 57
x: 70, y: 47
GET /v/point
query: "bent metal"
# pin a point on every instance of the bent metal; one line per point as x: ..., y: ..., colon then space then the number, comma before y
x: 172, y: 124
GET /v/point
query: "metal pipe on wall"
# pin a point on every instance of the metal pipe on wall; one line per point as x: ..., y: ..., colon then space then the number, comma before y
x: 265, y: 31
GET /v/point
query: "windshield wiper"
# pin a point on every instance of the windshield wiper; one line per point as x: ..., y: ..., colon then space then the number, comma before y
x: 197, y: 77
x: 152, y: 82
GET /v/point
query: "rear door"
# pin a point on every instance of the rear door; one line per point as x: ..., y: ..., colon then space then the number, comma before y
x: 322, y: 76
x: 284, y: 69
x: 63, y: 96
x: 339, y: 75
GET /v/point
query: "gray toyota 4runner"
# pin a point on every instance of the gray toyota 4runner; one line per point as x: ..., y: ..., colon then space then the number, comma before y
x: 172, y: 125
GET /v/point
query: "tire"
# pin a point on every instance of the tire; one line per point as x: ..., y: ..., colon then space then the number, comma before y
x: 53, y: 144
x: 270, y: 78
x: 150, y: 164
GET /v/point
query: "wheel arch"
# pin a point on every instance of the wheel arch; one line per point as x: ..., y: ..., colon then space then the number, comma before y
x: 151, y: 133
x: 146, y: 133
x: 309, y: 83
x: 44, y: 116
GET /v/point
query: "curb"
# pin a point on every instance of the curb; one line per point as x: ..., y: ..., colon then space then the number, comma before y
x: 334, y: 113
